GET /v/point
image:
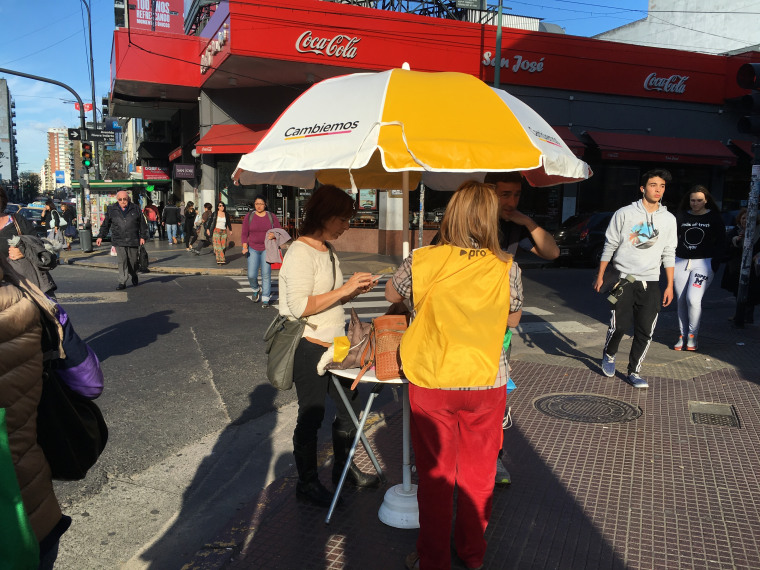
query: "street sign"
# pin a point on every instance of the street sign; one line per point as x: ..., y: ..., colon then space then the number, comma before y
x: 96, y: 135
x: 74, y: 135
x: 469, y: 4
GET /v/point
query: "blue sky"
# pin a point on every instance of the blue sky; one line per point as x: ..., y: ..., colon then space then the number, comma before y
x: 49, y: 38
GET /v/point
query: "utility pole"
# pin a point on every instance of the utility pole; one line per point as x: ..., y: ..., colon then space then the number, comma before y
x: 748, y: 77
x: 85, y: 237
x: 497, y: 69
x: 92, y: 81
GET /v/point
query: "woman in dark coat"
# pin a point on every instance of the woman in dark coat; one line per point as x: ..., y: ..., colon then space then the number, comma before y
x: 190, y: 236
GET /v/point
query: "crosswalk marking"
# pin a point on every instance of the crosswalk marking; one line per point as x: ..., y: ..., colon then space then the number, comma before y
x: 373, y: 304
x: 564, y: 327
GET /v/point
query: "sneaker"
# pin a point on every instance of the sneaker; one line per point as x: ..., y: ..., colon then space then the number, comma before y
x: 679, y: 344
x: 608, y: 365
x: 637, y: 381
x: 257, y: 296
x: 502, y: 475
x: 265, y: 305
x: 691, y: 342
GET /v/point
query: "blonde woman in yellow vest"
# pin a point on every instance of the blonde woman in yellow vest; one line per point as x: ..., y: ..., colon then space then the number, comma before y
x: 453, y: 356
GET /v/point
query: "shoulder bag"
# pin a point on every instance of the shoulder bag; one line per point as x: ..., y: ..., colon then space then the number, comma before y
x: 282, y: 338
x: 359, y: 349
x: 143, y: 261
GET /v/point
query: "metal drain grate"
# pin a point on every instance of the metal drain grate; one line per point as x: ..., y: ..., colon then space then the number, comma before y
x: 586, y: 408
x: 712, y: 414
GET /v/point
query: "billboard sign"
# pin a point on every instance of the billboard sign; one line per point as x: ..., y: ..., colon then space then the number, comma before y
x: 155, y: 173
x: 184, y: 171
x: 160, y: 16
x: 60, y: 177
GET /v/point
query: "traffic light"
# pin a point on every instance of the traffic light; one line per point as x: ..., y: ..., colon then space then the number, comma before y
x: 87, y: 155
x: 748, y: 77
x: 104, y: 107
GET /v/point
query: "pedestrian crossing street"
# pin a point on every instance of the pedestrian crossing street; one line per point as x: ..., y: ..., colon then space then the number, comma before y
x: 373, y: 304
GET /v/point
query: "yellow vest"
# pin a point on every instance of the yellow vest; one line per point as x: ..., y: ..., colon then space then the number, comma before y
x: 461, y: 297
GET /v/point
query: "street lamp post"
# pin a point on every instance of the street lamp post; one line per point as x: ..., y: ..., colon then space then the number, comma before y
x: 85, y: 237
x: 92, y: 81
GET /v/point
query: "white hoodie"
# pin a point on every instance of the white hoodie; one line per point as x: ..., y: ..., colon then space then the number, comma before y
x: 641, y: 241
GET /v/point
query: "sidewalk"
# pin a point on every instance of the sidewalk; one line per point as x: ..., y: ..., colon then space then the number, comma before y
x: 658, y: 491
x: 167, y: 258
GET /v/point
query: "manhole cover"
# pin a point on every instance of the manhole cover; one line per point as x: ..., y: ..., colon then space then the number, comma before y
x: 587, y: 408
x: 712, y: 414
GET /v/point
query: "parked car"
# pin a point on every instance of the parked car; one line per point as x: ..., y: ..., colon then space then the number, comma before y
x: 34, y: 215
x: 581, y: 237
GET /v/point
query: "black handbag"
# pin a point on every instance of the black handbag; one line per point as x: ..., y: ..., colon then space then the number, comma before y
x: 70, y: 429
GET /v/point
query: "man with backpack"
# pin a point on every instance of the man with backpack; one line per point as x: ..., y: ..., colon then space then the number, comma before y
x: 153, y: 217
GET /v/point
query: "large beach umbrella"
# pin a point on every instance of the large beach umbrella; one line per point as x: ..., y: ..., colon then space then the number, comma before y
x: 393, y: 129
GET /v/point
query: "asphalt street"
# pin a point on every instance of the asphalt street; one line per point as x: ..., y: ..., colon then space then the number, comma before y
x: 195, y: 429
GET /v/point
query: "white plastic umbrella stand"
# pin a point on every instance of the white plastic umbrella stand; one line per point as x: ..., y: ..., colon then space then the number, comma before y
x: 399, y: 508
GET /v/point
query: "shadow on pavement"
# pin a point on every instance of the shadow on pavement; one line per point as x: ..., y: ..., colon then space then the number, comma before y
x: 236, y: 462
x: 130, y: 335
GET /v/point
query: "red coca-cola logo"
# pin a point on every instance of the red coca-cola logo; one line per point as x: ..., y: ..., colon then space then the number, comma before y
x: 338, y: 46
x: 672, y: 84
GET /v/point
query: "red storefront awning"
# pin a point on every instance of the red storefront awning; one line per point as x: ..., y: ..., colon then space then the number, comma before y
x: 617, y: 146
x: 573, y: 142
x: 744, y: 146
x: 231, y: 139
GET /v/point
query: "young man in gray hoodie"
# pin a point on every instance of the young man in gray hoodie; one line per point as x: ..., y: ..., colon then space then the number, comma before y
x: 642, y: 237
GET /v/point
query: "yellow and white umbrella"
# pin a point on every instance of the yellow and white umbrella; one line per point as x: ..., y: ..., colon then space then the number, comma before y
x: 365, y: 130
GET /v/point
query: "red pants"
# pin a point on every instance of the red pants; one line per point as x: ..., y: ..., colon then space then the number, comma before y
x: 456, y: 436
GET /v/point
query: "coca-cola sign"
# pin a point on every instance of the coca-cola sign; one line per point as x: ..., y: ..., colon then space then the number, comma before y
x: 672, y: 84
x: 337, y: 46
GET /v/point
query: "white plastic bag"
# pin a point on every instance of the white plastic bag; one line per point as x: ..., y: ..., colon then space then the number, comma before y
x: 113, y: 250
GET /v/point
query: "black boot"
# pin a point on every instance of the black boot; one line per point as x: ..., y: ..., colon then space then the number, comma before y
x: 309, y: 488
x: 342, y: 441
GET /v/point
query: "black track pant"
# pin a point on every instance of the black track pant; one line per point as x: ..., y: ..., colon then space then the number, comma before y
x: 639, y: 304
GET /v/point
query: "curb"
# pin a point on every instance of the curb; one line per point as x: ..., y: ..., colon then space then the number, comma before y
x: 160, y: 269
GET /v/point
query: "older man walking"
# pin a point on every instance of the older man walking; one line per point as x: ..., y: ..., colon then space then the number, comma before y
x: 128, y: 232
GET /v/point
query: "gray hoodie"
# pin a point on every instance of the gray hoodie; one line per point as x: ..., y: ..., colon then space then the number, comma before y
x: 641, y: 241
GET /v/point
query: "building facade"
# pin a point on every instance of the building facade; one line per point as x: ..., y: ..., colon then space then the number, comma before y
x: 8, y: 151
x: 623, y: 108
x: 61, y: 159
x: 718, y: 27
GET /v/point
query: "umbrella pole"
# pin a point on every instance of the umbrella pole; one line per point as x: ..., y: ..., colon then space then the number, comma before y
x: 421, y: 218
x: 405, y: 214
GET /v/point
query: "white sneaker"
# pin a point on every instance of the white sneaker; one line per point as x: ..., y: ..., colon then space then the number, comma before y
x: 678, y: 345
x: 691, y: 342
x: 637, y: 381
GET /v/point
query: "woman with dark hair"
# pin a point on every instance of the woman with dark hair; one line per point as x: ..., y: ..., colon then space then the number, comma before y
x: 453, y: 355
x: 220, y: 229
x: 311, y: 287
x: 257, y: 229
x: 71, y: 224
x: 51, y: 219
x: 701, y: 236
x: 189, y: 228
